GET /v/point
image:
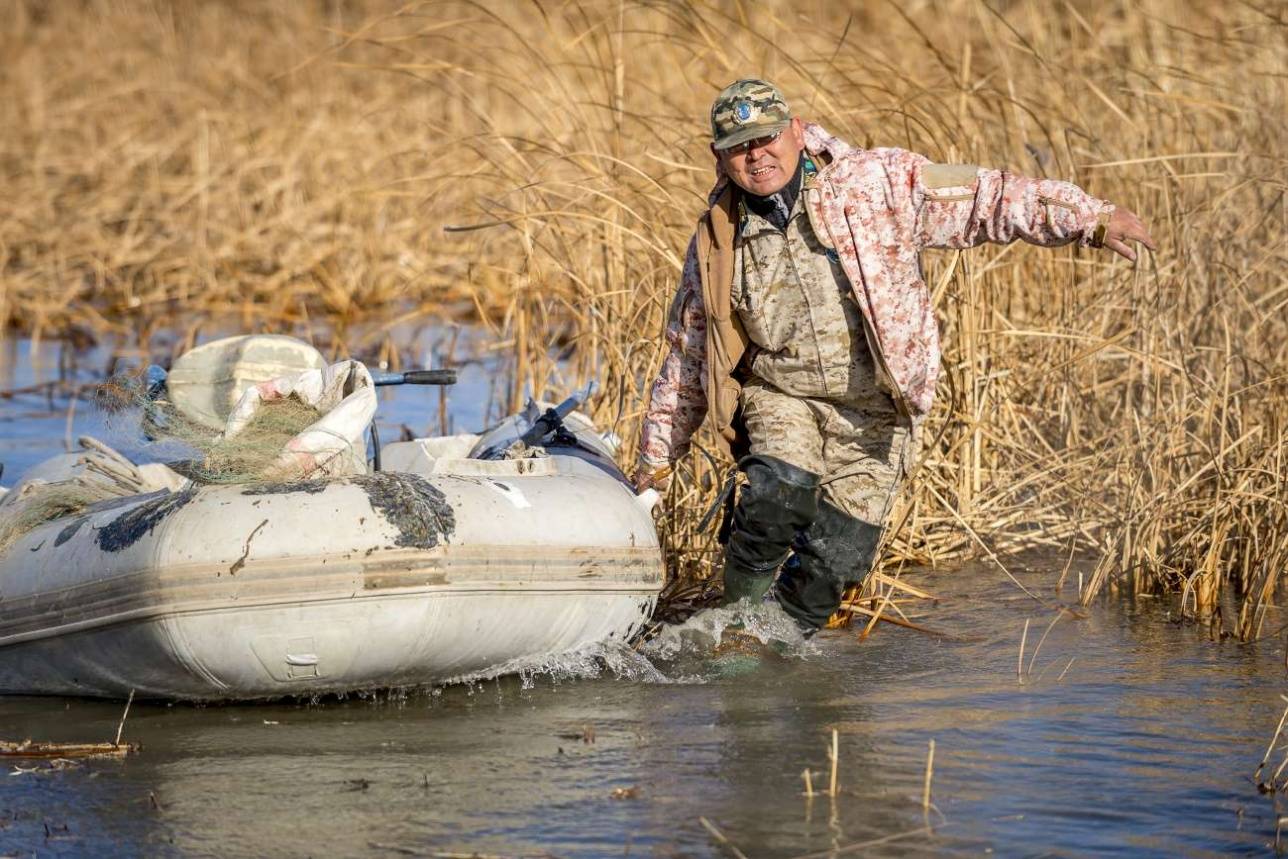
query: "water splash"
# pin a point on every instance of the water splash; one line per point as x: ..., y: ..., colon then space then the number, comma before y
x: 709, y: 633
x: 589, y: 662
x: 711, y: 644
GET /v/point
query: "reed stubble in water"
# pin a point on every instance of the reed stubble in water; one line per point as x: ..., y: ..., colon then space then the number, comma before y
x: 539, y: 169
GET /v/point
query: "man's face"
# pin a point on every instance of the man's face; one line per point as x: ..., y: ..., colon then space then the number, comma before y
x: 764, y: 167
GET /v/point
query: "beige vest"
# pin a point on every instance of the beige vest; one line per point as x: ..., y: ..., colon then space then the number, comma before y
x: 799, y: 312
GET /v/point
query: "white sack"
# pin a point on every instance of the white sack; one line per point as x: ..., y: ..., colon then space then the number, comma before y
x: 335, y: 444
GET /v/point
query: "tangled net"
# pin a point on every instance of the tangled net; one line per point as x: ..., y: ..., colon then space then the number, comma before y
x: 210, y: 456
x: 44, y: 504
x: 189, y: 448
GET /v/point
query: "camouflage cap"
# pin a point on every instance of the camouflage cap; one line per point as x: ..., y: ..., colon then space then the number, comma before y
x: 747, y: 109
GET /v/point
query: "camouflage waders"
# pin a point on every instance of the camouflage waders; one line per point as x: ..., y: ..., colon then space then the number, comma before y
x: 822, y: 477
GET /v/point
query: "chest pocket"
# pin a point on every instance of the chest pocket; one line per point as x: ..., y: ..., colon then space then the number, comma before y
x: 762, y: 276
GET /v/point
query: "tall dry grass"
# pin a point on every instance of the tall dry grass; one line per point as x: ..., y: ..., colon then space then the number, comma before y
x: 539, y: 167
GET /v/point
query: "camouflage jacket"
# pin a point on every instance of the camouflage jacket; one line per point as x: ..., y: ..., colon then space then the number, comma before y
x: 878, y: 209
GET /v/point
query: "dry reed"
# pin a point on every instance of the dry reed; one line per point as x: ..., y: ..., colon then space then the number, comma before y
x: 926, y: 804
x: 538, y: 168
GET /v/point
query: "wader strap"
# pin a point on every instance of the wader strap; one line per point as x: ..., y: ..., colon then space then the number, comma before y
x: 726, y: 500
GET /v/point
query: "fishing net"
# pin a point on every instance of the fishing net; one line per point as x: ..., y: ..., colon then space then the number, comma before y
x: 310, y: 424
x: 195, y: 450
x: 41, y: 503
x: 72, y: 483
x: 306, y: 425
x: 252, y: 454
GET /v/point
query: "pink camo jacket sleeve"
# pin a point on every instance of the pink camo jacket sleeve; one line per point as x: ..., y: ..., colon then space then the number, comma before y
x: 961, y: 206
x: 678, y: 403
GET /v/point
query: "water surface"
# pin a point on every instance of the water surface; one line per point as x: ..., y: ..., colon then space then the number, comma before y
x: 1145, y: 747
x: 1144, y: 744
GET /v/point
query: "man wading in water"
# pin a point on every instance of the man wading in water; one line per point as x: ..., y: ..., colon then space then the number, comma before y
x: 803, y: 332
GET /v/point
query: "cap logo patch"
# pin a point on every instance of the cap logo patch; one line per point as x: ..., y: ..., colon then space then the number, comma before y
x: 744, y: 112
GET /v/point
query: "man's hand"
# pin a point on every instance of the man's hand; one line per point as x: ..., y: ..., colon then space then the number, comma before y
x: 648, y: 478
x: 1125, y: 227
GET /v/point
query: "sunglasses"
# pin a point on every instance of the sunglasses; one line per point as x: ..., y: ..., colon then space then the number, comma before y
x: 755, y: 143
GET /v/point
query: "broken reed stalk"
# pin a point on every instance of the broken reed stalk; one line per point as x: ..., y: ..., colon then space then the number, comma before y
x: 1059, y: 614
x: 855, y: 608
x: 886, y: 585
x: 925, y: 788
x: 834, y: 755
x: 1274, y: 779
x: 879, y: 614
x: 34, y: 749
x: 862, y: 846
x: 721, y: 839
x: 1019, y: 667
x: 1137, y: 412
x: 1265, y: 759
x: 121, y: 727
x: 809, y: 783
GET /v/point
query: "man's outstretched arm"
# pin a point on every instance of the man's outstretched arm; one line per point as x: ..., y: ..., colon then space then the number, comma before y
x: 677, y: 403
x: 961, y: 206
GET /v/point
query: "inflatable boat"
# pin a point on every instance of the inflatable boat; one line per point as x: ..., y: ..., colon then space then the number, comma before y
x: 458, y: 554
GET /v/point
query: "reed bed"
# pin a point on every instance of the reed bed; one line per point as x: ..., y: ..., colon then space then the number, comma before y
x: 537, y: 168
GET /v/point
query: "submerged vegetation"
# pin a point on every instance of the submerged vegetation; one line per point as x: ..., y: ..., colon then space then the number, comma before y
x: 538, y: 168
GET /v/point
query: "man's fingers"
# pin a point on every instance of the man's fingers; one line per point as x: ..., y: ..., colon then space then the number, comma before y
x: 1138, y: 234
x: 1121, y: 249
x: 1143, y: 236
x: 1135, y: 230
x: 651, y: 478
x: 1124, y: 225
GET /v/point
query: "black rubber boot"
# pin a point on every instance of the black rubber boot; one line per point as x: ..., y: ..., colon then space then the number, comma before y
x: 835, y: 552
x: 778, y: 501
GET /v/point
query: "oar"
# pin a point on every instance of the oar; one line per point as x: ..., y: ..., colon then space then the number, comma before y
x: 414, y: 377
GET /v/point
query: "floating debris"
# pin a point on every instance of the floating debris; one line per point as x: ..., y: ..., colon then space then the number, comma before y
x: 586, y: 735
x: 33, y: 749
x: 29, y: 749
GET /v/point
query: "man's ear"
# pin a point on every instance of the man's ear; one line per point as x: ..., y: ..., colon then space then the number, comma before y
x: 798, y: 132
x: 721, y: 172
